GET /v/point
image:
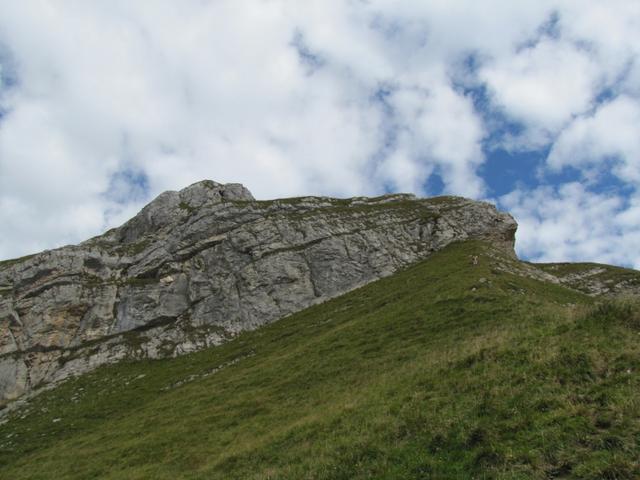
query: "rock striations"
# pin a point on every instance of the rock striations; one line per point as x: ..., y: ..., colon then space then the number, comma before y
x: 196, y: 267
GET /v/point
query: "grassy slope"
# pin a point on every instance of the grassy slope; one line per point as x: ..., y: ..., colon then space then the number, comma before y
x: 431, y: 373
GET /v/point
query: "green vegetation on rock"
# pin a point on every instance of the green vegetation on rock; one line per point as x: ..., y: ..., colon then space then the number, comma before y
x: 446, y: 370
x: 15, y: 261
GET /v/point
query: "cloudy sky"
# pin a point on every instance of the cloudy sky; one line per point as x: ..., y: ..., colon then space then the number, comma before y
x: 533, y: 105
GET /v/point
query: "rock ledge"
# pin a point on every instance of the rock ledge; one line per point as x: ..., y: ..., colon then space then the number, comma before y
x: 196, y: 267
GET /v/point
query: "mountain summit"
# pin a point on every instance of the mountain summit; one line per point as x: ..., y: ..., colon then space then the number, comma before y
x: 196, y: 267
x: 453, y: 359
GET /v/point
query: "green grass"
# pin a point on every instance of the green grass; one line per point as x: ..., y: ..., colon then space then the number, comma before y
x: 445, y: 370
x: 410, y: 207
x: 15, y: 261
x: 188, y: 208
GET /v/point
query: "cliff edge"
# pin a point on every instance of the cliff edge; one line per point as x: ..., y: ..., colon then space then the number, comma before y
x: 196, y: 267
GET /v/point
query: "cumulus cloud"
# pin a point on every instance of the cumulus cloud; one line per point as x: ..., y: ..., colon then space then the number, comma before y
x: 582, y: 50
x: 571, y: 223
x: 435, y: 129
x: 543, y: 86
x: 607, y: 139
x: 105, y: 105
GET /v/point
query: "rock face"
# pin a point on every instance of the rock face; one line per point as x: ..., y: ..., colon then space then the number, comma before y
x: 195, y: 267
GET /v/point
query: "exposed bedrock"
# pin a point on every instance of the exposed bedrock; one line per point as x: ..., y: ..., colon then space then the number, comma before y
x: 195, y: 267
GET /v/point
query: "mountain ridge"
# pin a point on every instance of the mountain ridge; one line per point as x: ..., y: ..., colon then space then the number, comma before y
x: 194, y: 268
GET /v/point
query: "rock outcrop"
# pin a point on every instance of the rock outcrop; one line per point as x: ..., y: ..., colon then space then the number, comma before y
x: 595, y: 279
x: 195, y: 267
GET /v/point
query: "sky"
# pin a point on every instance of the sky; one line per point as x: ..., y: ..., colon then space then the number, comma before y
x: 532, y: 105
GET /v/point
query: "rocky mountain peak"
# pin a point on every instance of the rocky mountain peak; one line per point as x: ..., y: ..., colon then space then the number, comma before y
x: 196, y: 267
x: 170, y: 206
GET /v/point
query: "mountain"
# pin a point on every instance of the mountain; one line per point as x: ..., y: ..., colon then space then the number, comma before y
x: 196, y: 267
x: 411, y: 343
x: 444, y: 370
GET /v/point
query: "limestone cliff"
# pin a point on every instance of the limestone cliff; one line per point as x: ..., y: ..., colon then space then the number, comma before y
x: 195, y: 267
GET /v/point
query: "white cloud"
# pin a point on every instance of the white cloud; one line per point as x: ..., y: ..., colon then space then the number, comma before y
x: 610, y: 30
x: 439, y: 126
x: 585, y: 48
x: 319, y: 97
x: 610, y: 136
x: 571, y: 223
x: 543, y: 86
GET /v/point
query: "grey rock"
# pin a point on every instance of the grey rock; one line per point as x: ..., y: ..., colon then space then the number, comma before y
x: 198, y: 266
x: 597, y: 280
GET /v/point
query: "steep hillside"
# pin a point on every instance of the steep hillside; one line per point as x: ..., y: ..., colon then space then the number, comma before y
x: 445, y: 370
x: 196, y: 267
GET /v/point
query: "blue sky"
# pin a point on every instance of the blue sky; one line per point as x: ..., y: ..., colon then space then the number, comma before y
x: 534, y: 106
